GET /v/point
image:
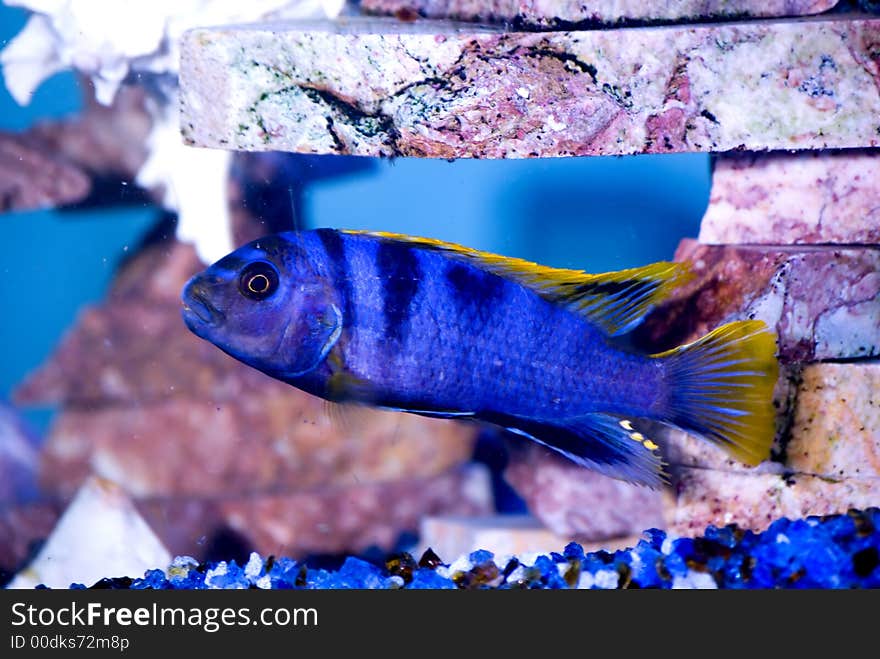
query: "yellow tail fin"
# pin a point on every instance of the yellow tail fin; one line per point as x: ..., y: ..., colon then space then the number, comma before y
x: 721, y: 388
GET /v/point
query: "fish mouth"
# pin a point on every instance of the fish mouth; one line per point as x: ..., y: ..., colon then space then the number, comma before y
x: 196, y: 305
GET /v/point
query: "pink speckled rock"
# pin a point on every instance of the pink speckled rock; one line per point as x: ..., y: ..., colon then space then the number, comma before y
x: 823, y: 302
x: 347, y: 519
x: 31, y: 177
x: 430, y: 89
x: 317, y: 520
x: 54, y: 163
x: 575, y: 502
x: 785, y: 198
x: 553, y: 13
x: 836, y: 427
x: 266, y: 440
x: 753, y: 501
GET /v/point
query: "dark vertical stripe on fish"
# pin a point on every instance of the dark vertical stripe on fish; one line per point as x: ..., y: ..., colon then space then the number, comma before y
x: 472, y: 288
x: 337, y: 263
x: 400, y: 273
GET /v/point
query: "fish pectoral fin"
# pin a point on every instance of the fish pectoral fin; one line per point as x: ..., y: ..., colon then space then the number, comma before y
x: 615, y: 301
x: 605, y: 443
x: 345, y: 386
x: 348, y: 418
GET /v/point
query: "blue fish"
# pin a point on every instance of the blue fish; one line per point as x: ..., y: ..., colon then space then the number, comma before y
x: 437, y: 329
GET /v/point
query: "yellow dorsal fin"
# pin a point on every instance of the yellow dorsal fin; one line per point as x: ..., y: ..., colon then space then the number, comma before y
x: 615, y: 301
x: 618, y: 301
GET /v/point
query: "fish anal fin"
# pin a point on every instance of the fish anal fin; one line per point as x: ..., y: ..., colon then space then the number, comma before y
x: 606, y: 443
x: 615, y: 301
x: 350, y: 417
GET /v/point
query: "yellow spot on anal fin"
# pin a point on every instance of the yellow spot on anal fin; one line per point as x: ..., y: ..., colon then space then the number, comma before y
x: 637, y: 436
x: 626, y: 424
x: 651, y: 446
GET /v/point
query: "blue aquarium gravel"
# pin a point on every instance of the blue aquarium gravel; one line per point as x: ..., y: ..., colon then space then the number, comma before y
x: 836, y: 551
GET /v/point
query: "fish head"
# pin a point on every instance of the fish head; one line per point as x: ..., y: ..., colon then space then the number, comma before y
x: 266, y: 305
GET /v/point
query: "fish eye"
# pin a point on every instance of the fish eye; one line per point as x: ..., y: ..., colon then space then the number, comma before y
x: 258, y: 280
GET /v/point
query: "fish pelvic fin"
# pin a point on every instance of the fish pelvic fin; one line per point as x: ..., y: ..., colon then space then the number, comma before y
x: 721, y: 388
x: 604, y: 443
x: 615, y: 301
x: 348, y: 419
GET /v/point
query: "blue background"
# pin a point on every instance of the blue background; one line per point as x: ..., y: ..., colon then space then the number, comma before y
x: 597, y: 214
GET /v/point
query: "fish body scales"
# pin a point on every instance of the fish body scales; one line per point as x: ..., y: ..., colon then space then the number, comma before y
x: 432, y: 331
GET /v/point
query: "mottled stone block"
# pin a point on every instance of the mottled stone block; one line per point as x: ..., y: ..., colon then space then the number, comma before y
x: 561, y: 13
x: 794, y: 198
x: 320, y: 520
x: 575, y: 502
x: 836, y: 427
x: 390, y: 88
x: 31, y: 177
x: 823, y: 302
x: 753, y: 501
x: 263, y: 441
x: 336, y: 519
x: 54, y: 163
x: 504, y: 535
x: 683, y: 450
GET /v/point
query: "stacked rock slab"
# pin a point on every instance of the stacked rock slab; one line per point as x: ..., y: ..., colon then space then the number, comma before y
x: 383, y: 87
x: 560, y: 13
x: 794, y: 235
x: 798, y: 248
x: 818, y: 198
